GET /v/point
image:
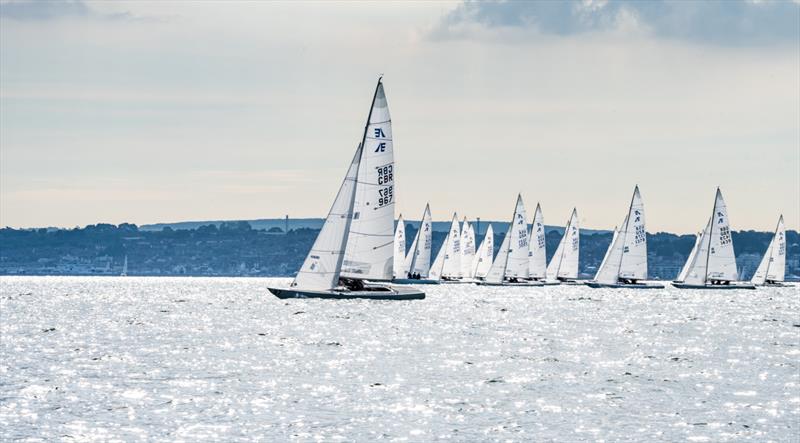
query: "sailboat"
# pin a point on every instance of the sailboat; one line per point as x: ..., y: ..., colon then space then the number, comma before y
x: 437, y: 271
x: 417, y: 263
x: 483, y: 256
x: 451, y: 265
x: 563, y: 266
x: 124, y: 272
x: 510, y: 267
x: 625, y: 262
x: 398, y: 265
x: 713, y: 265
x: 772, y: 269
x: 467, y: 249
x: 537, y: 251
x: 354, y: 248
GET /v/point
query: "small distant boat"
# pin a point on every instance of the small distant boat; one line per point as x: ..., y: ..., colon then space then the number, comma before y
x: 124, y: 272
x: 467, y: 249
x: 483, y: 256
x: 625, y: 262
x: 563, y: 266
x: 510, y: 267
x: 417, y: 263
x: 537, y: 249
x: 354, y: 249
x: 713, y: 264
x: 772, y: 270
x: 398, y: 266
x: 451, y: 255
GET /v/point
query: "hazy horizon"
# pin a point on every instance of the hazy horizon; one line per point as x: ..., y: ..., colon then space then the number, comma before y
x: 148, y: 112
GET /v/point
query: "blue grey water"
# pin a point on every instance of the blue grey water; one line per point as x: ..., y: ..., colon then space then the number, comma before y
x: 219, y: 359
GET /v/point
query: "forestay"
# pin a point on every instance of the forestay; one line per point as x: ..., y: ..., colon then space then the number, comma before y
x: 370, y: 246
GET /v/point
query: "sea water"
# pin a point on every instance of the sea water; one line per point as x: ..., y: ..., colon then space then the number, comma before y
x: 220, y: 359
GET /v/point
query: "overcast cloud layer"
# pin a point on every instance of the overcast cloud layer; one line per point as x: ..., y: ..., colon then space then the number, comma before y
x: 166, y: 111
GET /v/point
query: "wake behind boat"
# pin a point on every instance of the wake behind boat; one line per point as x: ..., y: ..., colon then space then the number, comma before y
x: 713, y: 263
x: 625, y: 262
x: 355, y: 247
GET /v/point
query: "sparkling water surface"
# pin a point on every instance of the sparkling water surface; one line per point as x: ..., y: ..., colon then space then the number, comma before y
x: 220, y: 359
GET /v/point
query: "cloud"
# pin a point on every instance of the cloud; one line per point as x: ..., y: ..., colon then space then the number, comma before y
x: 726, y: 23
x: 45, y: 10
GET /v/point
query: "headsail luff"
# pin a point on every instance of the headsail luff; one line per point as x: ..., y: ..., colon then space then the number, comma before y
x: 419, y: 258
x: 538, y: 249
x: 452, y: 257
x: 369, y: 251
x: 320, y: 270
x: 399, y: 259
x: 773, y: 266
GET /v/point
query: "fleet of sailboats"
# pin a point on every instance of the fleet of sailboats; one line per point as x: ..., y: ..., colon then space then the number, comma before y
x: 360, y: 248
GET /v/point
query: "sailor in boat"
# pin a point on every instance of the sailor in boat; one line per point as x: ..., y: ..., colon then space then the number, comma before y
x: 351, y: 284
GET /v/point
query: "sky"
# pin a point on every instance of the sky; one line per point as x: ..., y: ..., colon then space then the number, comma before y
x: 150, y: 112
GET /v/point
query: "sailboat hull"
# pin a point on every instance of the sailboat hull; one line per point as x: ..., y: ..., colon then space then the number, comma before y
x: 370, y: 293
x: 414, y: 281
x: 774, y: 285
x: 721, y: 287
x: 505, y: 283
x: 596, y: 285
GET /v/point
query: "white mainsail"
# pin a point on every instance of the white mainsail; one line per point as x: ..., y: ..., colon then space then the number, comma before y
x: 320, y: 270
x: 452, y: 257
x: 773, y: 265
x: 518, y: 263
x: 398, y: 267
x: 715, y: 258
x: 626, y: 257
x: 537, y: 266
x: 418, y: 260
x: 369, y: 251
x: 483, y: 257
x: 564, y: 264
x: 685, y: 269
x: 467, y: 248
